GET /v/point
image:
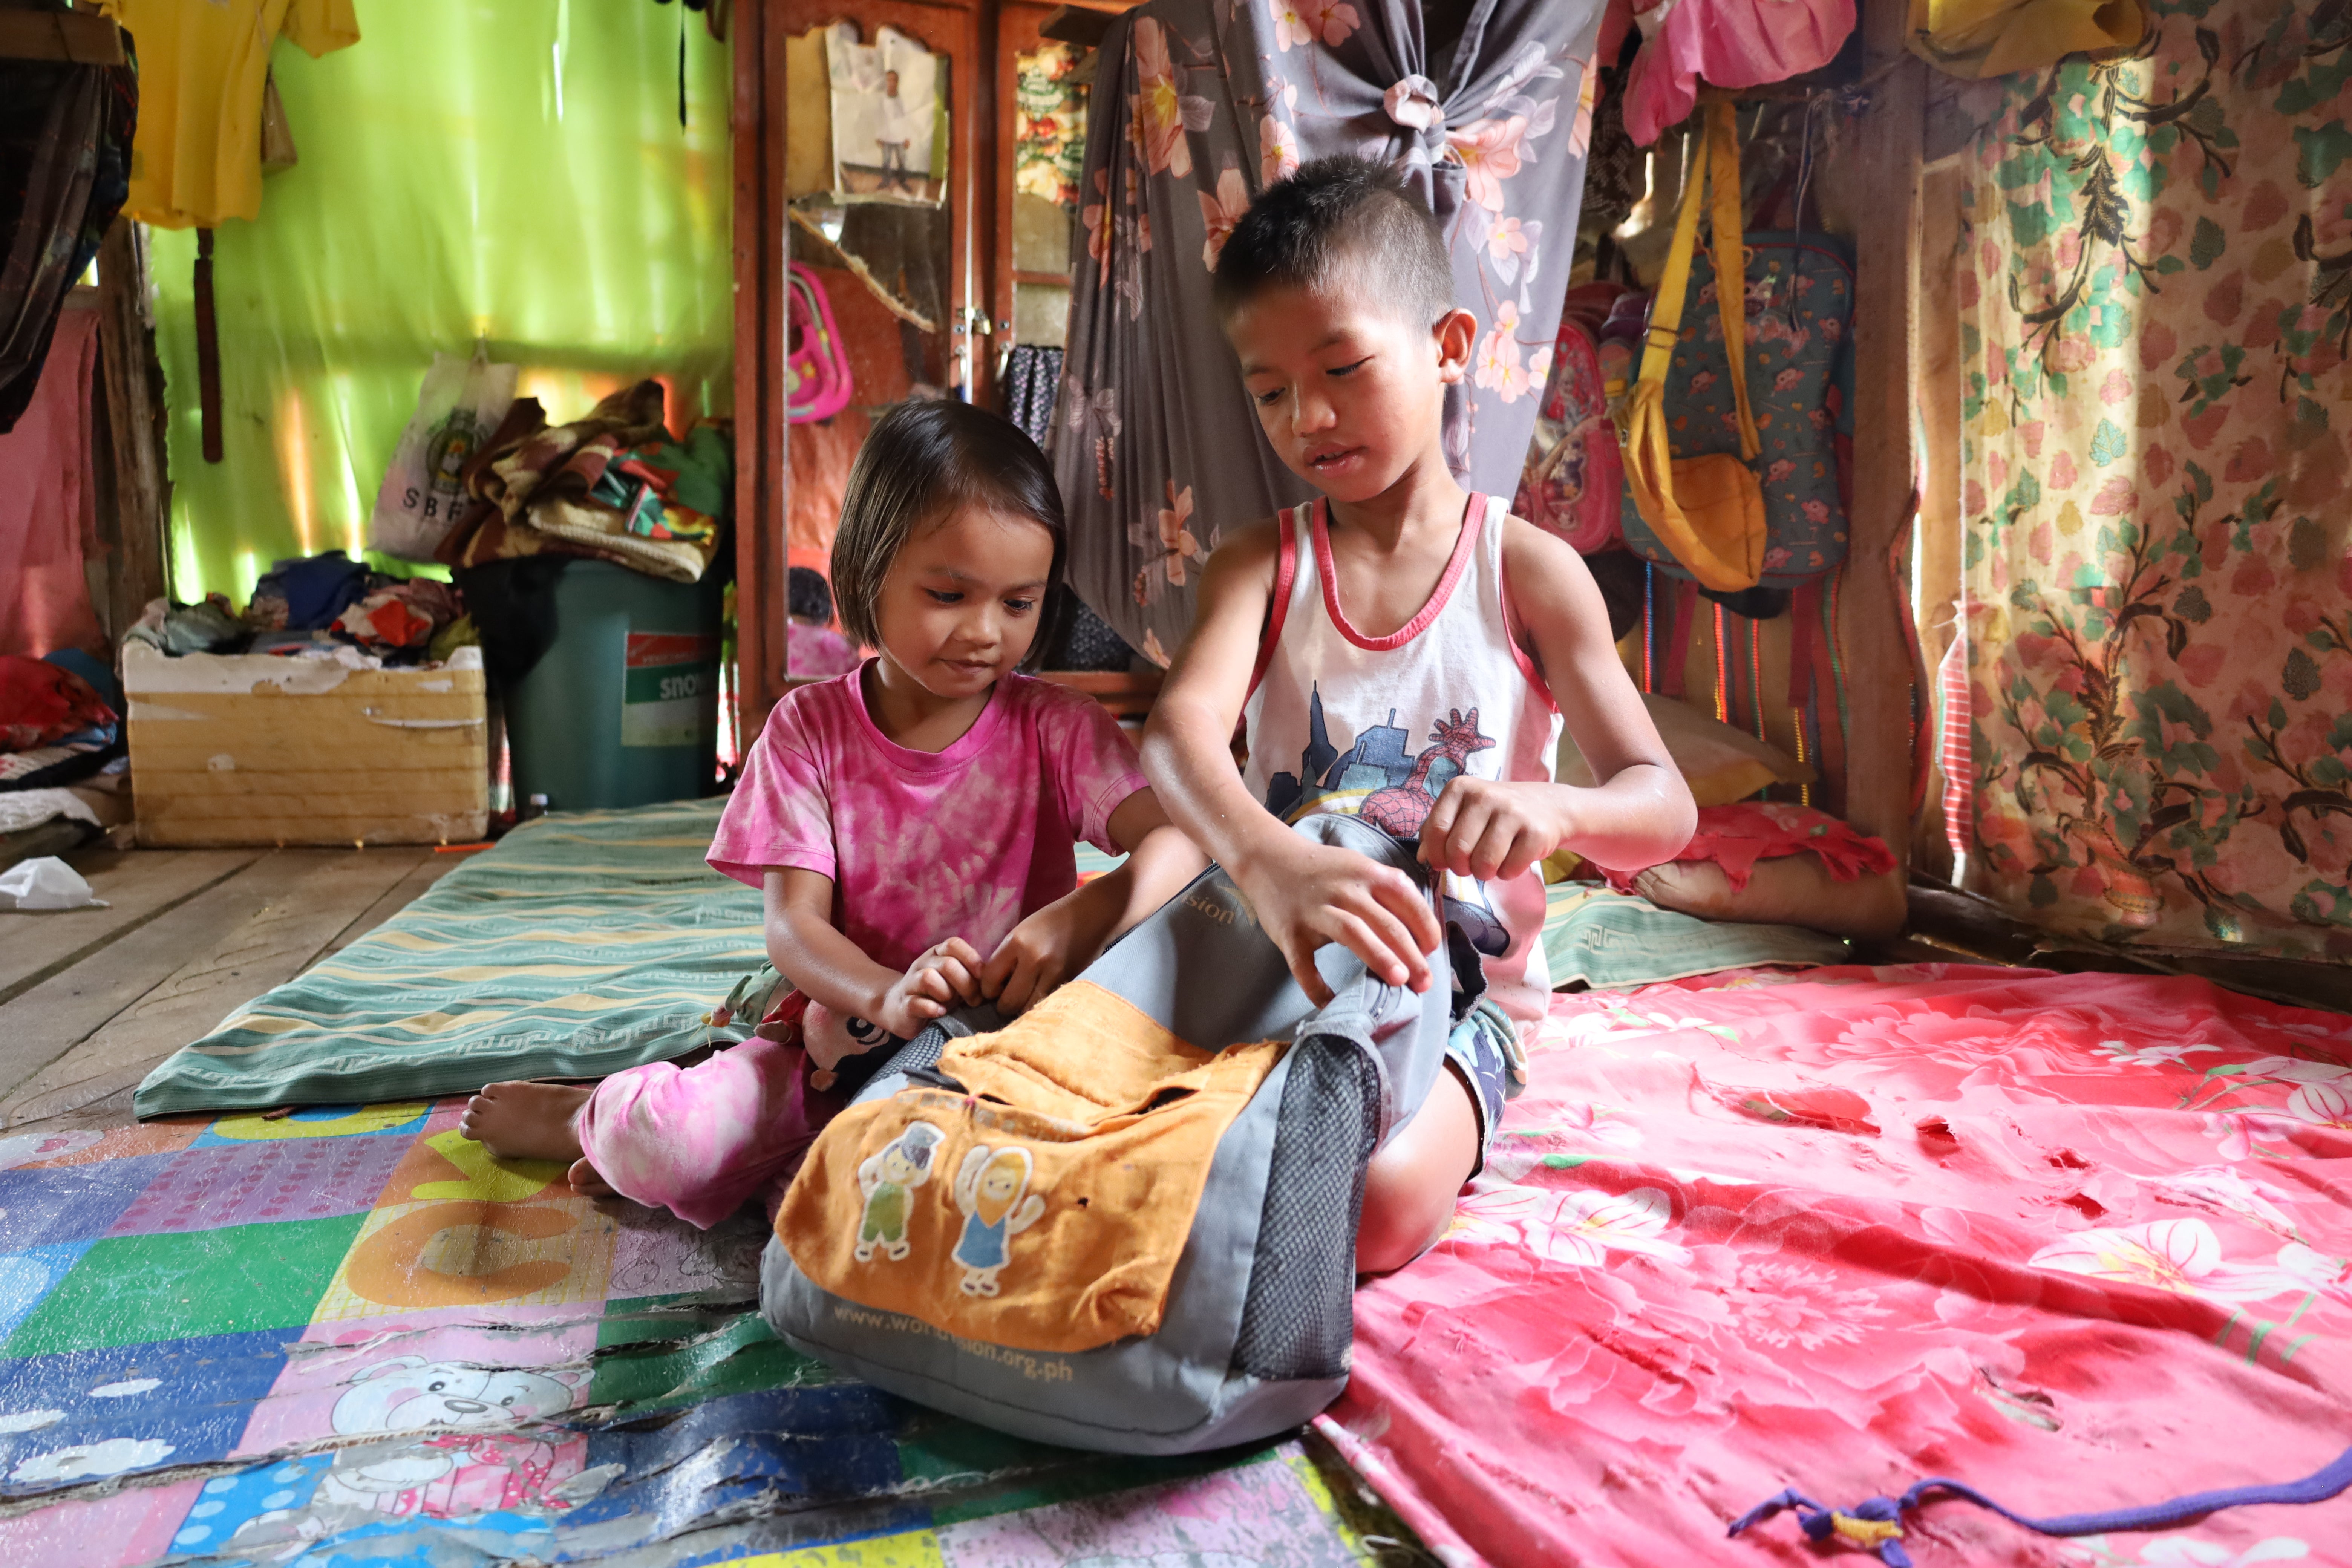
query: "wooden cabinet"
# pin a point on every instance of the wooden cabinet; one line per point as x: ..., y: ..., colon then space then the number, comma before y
x: 1007, y: 268
x: 954, y: 32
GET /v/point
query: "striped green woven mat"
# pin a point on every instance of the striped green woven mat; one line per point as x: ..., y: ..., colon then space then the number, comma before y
x: 597, y: 940
x: 582, y: 944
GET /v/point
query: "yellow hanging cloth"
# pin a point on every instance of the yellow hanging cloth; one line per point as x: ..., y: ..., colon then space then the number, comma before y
x: 196, y: 158
x: 1710, y: 510
x: 1993, y: 37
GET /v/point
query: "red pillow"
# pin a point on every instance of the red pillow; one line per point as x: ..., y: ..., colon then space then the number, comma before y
x: 1736, y: 836
x: 42, y: 702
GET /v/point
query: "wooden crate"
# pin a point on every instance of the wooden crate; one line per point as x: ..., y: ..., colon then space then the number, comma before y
x: 253, y: 749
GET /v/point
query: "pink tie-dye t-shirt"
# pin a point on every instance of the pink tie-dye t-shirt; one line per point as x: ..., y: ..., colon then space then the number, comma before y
x: 923, y: 846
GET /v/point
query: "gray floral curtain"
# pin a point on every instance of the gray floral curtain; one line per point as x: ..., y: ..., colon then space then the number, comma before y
x: 65, y: 162
x: 1198, y: 104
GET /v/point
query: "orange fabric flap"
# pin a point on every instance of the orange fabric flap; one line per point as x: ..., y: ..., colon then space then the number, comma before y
x: 1044, y: 1210
x: 1083, y: 1054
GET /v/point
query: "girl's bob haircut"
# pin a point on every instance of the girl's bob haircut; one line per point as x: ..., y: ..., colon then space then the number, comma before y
x: 920, y: 461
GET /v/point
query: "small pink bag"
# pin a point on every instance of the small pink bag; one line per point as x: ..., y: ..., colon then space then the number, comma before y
x: 816, y: 369
x: 1574, y: 477
x: 1727, y: 43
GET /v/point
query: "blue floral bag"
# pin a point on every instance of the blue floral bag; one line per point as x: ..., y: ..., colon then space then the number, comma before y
x: 1799, y: 376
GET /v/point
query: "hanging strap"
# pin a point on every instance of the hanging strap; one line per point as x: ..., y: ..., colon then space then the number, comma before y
x: 1728, y: 554
x: 1877, y: 1525
x: 208, y: 373
x: 816, y: 368
x: 1715, y: 178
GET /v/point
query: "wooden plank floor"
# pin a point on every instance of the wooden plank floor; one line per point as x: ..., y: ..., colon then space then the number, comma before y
x: 90, y: 1000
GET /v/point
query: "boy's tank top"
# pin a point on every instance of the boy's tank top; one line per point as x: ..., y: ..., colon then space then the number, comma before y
x: 1376, y: 727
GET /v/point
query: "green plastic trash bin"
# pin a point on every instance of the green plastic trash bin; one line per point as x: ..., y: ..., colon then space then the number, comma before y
x: 623, y: 709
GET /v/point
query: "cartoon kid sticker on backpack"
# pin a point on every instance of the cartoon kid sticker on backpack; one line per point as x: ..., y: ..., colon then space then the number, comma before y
x: 990, y: 1188
x: 888, y: 1179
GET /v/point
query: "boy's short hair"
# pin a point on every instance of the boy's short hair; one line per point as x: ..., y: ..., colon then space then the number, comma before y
x: 922, y: 460
x: 1336, y: 215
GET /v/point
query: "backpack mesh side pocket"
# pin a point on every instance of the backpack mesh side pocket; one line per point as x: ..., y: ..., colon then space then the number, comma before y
x: 1299, y: 1318
x: 919, y: 1054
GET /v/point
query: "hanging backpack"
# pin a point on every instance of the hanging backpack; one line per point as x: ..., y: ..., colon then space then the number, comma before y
x: 1793, y: 369
x: 1574, y: 478
x: 1126, y: 1221
x: 817, y: 384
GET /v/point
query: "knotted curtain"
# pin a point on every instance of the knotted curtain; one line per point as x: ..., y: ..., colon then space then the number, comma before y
x: 1198, y: 105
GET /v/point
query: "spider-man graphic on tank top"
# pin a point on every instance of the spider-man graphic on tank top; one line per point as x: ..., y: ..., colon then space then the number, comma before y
x: 1377, y: 727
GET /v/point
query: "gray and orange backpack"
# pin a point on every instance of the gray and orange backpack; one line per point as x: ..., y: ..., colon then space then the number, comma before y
x: 1127, y: 1220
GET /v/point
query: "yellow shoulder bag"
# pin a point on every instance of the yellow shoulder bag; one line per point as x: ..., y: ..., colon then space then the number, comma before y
x: 1710, y: 510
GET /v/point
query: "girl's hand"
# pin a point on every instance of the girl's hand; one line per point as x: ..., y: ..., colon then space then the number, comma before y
x: 946, y: 977
x: 1485, y: 828
x: 1041, y: 951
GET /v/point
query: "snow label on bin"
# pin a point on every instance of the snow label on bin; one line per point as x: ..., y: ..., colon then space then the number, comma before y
x: 670, y: 694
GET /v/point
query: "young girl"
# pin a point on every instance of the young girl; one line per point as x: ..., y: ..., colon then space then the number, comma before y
x: 912, y: 826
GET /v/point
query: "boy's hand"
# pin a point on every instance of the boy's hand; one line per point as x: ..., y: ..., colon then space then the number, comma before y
x: 945, y: 977
x: 1306, y: 894
x: 1041, y: 952
x: 1485, y: 828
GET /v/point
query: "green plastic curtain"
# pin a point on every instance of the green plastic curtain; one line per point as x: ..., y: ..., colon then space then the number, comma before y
x: 510, y: 172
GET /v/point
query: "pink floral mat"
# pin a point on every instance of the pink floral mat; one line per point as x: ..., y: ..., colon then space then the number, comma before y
x: 2077, y: 1240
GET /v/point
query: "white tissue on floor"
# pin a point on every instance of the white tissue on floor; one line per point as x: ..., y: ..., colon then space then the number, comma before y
x: 47, y: 883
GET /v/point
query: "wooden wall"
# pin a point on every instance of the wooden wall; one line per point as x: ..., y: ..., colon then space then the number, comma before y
x: 761, y: 472
x: 1875, y: 614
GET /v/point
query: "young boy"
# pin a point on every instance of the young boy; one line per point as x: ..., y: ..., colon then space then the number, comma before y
x: 1402, y: 650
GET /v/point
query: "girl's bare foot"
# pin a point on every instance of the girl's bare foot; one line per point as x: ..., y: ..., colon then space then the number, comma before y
x: 587, y: 1182
x: 526, y: 1120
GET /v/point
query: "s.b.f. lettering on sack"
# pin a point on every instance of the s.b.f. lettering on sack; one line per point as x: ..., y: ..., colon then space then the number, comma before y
x: 459, y: 405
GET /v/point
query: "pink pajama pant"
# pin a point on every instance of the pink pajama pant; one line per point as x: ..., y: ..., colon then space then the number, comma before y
x: 701, y: 1141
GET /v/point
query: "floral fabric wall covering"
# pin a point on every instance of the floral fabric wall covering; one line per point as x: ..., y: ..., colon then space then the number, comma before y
x: 1198, y: 105
x: 2157, y: 305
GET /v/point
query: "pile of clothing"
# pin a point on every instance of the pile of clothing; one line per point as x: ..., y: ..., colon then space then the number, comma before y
x: 61, y: 753
x: 61, y: 719
x: 211, y: 625
x: 613, y: 486
x: 320, y: 606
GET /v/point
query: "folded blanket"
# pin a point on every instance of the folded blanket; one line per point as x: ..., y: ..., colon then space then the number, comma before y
x: 1736, y: 836
x: 612, y: 485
